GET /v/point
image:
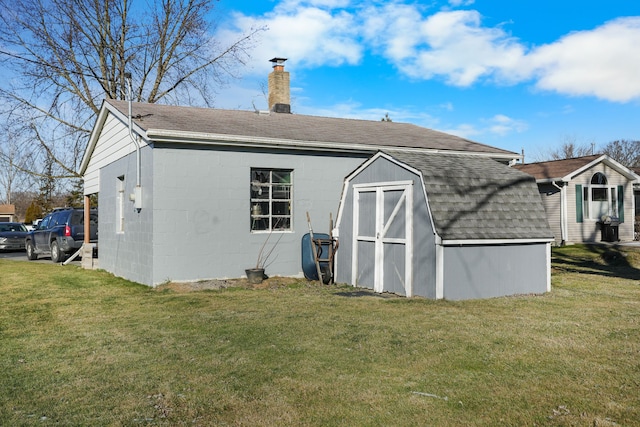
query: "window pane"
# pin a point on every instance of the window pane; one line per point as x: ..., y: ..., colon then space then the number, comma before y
x: 599, y: 194
x: 614, y: 202
x: 281, y: 223
x: 259, y: 176
x: 281, y: 177
x: 260, y: 209
x: 585, y: 205
x: 281, y: 208
x: 259, y: 224
x: 281, y: 191
x: 259, y: 191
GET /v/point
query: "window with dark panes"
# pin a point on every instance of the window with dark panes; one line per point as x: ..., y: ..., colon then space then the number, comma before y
x: 600, y: 198
x: 271, y: 191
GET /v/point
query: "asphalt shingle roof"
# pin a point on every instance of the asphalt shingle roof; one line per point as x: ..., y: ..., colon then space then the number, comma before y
x: 296, y: 127
x: 478, y: 198
x: 556, y: 168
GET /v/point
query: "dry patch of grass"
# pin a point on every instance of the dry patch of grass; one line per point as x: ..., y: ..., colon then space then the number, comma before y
x: 217, y: 284
x: 84, y: 348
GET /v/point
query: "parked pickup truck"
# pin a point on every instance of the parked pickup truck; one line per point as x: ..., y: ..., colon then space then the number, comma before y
x: 60, y: 234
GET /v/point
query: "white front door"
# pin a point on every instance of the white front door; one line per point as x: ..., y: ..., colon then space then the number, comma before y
x: 383, y: 229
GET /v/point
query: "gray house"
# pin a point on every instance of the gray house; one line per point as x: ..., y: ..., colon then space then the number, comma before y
x: 442, y: 225
x: 191, y: 193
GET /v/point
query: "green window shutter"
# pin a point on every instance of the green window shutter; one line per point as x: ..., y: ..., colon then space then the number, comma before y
x: 621, y: 203
x: 579, y: 203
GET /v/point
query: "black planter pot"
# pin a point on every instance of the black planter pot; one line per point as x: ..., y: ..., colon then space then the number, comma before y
x: 255, y: 275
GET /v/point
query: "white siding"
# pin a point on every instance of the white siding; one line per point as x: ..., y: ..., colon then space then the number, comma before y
x: 551, y: 200
x: 113, y: 144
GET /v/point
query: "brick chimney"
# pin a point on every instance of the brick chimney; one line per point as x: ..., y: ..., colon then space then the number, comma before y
x: 279, y: 98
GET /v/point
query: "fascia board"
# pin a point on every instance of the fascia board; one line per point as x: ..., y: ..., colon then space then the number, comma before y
x: 93, y: 138
x: 476, y: 242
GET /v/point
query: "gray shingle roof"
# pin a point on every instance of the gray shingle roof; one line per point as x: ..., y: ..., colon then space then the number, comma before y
x: 296, y: 127
x: 478, y: 198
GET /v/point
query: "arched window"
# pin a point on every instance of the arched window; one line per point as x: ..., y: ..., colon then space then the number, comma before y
x: 599, y: 178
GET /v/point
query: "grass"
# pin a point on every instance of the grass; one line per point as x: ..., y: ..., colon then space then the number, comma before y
x: 84, y: 348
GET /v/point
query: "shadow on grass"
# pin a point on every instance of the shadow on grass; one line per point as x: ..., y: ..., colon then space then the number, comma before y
x: 601, y: 259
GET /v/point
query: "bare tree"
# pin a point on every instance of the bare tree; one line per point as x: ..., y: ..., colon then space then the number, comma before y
x: 14, y: 164
x: 66, y: 56
x: 571, y: 149
x: 568, y: 149
x: 624, y: 151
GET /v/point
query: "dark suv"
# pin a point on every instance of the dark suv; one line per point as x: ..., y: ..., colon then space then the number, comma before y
x: 60, y: 234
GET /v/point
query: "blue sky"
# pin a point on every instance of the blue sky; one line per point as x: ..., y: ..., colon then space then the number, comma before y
x: 514, y: 74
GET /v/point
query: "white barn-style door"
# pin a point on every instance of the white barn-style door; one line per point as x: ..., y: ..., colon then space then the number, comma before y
x: 383, y: 230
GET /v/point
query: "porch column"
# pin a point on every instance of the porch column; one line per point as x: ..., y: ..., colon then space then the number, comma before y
x: 87, y: 219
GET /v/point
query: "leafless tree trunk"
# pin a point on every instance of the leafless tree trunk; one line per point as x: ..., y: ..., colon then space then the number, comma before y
x: 64, y: 57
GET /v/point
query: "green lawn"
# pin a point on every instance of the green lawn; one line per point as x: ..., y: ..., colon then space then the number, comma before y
x: 83, y: 348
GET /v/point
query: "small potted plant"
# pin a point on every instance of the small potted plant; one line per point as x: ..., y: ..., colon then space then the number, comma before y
x: 256, y: 275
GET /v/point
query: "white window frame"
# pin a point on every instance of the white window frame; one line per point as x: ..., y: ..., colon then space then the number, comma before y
x: 268, y: 222
x: 589, y: 204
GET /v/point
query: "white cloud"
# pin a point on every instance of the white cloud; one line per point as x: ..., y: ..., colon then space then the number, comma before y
x: 312, y: 33
x: 355, y: 110
x: 451, y: 45
x: 463, y: 131
x: 503, y: 125
x: 464, y: 51
x: 394, y: 29
x: 498, y: 125
x: 604, y: 62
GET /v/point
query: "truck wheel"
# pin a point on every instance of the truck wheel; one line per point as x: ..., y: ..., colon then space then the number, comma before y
x: 56, y: 254
x: 31, y: 251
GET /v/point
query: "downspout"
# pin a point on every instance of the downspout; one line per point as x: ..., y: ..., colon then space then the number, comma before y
x: 563, y: 213
x: 136, y: 197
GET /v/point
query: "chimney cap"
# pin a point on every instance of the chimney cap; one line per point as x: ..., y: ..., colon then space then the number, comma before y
x: 278, y: 61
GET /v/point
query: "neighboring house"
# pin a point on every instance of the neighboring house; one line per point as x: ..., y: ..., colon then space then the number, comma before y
x: 442, y: 225
x: 7, y: 213
x: 200, y: 190
x: 581, y: 195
